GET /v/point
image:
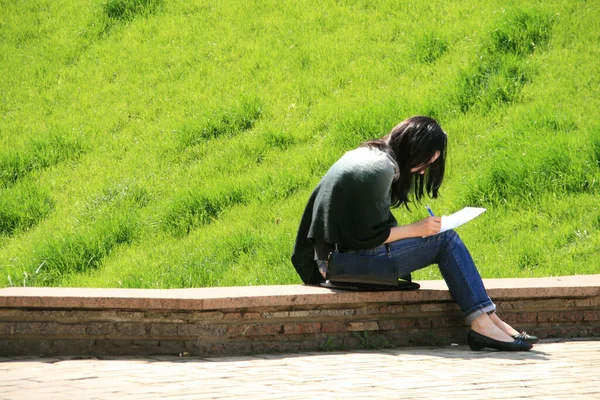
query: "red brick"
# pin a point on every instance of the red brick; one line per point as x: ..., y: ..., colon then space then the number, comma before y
x: 386, y: 325
x: 48, y: 328
x: 201, y: 330
x: 7, y: 328
x: 512, y: 318
x: 444, y: 322
x: 73, y: 347
x: 18, y: 347
x: 237, y: 348
x: 36, y: 315
x: 100, y: 328
x: 7, y: 314
x: 335, y: 326
x: 519, y: 317
x: 308, y: 345
x: 170, y: 317
x: 573, y: 331
x: 404, y: 323
x: 266, y: 330
x: 236, y: 330
x: 340, y: 312
x: 526, y: 317
x: 232, y: 316
x: 277, y: 314
x: 363, y: 326
x: 29, y: 328
x: 216, y: 349
x: 145, y: 344
x: 560, y: 316
x: 438, y: 307
x: 404, y: 309
x: 590, y: 302
x: 253, y: 330
x: 570, y: 316
x: 424, y: 323
x: 274, y: 347
x: 163, y: 330
x: 173, y: 347
x: 198, y: 348
x: 367, y: 310
x: 591, y: 315
x: 113, y: 316
x: 537, y: 304
x: 545, y: 316
x: 251, y: 315
x: 130, y: 328
x: 291, y: 329
x: 205, y: 316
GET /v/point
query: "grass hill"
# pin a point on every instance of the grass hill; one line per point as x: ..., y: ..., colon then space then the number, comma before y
x: 171, y: 143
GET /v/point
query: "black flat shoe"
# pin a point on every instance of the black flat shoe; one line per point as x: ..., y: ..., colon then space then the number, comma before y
x: 478, y: 342
x: 527, y: 338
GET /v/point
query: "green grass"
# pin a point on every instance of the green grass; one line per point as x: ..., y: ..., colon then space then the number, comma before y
x: 229, y: 122
x: 22, y: 207
x: 41, y: 153
x: 79, y: 252
x: 171, y: 143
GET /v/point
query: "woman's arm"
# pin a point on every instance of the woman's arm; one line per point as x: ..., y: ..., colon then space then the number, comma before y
x: 425, y: 227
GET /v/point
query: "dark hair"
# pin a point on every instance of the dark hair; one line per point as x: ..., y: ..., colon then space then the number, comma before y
x: 413, y: 143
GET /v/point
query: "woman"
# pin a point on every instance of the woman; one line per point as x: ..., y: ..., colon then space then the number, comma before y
x: 350, y: 210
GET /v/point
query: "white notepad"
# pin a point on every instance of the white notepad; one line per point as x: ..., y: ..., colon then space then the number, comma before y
x: 460, y: 217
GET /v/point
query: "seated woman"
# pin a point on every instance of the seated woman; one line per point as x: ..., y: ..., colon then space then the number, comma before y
x: 350, y: 210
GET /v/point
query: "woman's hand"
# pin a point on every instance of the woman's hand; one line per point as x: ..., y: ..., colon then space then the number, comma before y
x: 425, y: 227
x: 428, y: 226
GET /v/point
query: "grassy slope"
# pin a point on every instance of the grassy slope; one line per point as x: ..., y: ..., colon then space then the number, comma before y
x: 175, y: 144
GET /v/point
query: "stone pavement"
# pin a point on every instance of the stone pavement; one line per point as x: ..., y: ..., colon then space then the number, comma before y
x: 553, y: 370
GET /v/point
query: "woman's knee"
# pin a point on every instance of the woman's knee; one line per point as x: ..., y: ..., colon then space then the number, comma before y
x: 451, y: 235
x: 451, y: 238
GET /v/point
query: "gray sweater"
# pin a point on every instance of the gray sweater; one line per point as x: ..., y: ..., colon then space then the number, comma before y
x: 350, y: 207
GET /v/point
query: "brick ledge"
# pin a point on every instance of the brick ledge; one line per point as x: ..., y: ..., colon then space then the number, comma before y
x: 247, y: 320
x: 223, y: 298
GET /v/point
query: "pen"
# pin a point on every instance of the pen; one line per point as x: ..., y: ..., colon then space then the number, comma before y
x: 430, y: 212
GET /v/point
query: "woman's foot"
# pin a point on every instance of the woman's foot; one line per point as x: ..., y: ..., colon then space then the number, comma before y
x: 511, y: 331
x: 485, y: 333
x: 479, y: 342
x: 484, y: 325
x: 527, y: 338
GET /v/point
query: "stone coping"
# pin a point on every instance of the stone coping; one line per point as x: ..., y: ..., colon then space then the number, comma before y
x: 223, y: 298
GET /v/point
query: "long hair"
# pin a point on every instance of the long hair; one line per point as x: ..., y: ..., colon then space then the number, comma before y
x: 413, y: 143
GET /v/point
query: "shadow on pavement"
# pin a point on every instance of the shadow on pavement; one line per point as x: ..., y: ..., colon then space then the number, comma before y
x: 461, y: 352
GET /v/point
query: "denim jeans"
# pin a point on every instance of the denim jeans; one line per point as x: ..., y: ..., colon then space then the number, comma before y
x: 449, y: 252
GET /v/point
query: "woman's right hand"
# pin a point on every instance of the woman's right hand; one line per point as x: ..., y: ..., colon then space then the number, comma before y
x: 428, y: 226
x: 425, y: 227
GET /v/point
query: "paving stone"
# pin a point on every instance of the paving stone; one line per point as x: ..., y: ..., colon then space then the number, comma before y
x: 551, y: 370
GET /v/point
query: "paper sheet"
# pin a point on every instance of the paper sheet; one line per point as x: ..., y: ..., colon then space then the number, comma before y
x: 460, y: 217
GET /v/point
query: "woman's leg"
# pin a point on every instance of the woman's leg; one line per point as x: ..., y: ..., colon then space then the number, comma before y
x: 458, y: 269
x: 503, y: 325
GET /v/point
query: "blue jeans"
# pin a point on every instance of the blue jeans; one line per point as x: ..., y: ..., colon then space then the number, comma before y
x: 449, y: 252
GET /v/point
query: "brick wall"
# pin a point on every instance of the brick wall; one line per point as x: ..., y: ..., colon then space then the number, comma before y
x: 233, y: 321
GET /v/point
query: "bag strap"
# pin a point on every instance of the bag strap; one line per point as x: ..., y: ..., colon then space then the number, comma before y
x: 387, y: 249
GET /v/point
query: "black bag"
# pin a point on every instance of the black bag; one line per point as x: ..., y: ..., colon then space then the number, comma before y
x: 351, y: 271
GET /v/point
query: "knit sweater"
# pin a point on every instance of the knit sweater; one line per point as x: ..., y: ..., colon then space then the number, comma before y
x: 350, y: 207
